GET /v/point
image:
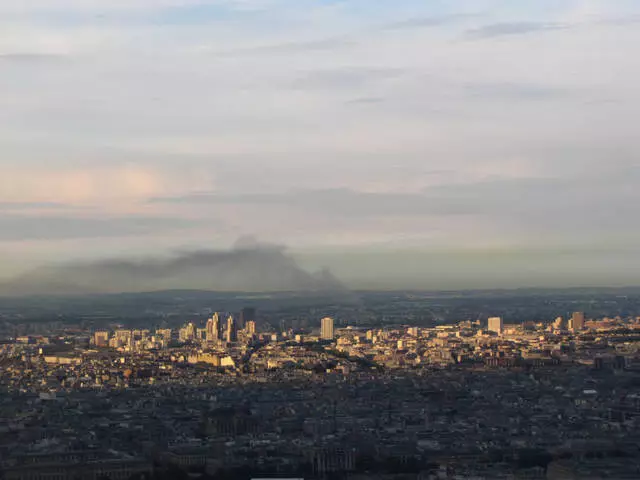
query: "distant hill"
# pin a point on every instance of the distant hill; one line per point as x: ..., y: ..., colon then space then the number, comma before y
x: 242, y: 269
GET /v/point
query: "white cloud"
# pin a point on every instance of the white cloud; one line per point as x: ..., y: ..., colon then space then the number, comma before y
x: 100, y: 185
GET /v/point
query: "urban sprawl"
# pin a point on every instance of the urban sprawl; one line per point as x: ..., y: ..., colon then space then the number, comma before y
x: 232, y: 398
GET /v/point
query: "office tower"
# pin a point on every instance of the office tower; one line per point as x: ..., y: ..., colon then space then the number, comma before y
x: 183, y: 335
x: 101, y: 339
x: 495, y: 325
x: 165, y: 333
x: 123, y: 337
x: 577, y: 320
x: 412, y: 331
x: 191, y: 331
x: 232, y: 333
x: 213, y: 328
x: 559, y: 323
x: 247, y: 314
x: 201, y: 334
x: 326, y: 328
x: 251, y: 327
x: 187, y: 333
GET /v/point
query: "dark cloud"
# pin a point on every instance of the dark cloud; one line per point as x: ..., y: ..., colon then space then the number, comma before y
x: 569, y: 205
x: 511, y: 28
x: 248, y: 267
x: 57, y: 227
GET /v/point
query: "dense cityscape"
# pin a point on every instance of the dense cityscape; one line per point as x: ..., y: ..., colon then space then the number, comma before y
x: 319, y: 240
x: 232, y: 395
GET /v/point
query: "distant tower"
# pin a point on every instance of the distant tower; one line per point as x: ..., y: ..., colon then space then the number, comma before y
x: 251, y: 327
x: 559, y: 323
x: 101, y: 339
x: 247, y: 315
x: 232, y: 333
x: 577, y: 320
x: 495, y: 325
x: 213, y: 328
x: 326, y: 328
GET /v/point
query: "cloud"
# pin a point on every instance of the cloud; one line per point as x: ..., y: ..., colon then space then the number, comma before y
x: 517, y: 91
x: 347, y: 77
x: 31, y: 57
x: 365, y: 101
x: 619, y: 21
x: 336, y: 202
x: 511, y: 28
x: 558, y: 207
x: 427, y: 22
x: 56, y: 227
x: 85, y: 185
x: 303, y: 46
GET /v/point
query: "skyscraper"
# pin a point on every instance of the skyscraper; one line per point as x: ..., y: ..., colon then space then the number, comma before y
x: 251, y: 327
x: 495, y: 325
x: 559, y: 323
x: 213, y: 328
x: 187, y: 333
x: 247, y: 314
x: 101, y: 339
x: 326, y: 328
x: 577, y: 320
x: 232, y: 333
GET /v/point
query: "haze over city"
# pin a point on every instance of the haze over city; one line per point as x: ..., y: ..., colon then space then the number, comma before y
x: 404, y: 144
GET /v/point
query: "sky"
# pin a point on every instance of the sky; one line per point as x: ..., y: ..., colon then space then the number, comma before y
x: 402, y: 143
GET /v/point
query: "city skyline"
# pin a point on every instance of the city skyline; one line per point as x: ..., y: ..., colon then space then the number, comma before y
x: 402, y: 145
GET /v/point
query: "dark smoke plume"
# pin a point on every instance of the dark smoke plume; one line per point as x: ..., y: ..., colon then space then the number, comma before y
x: 248, y: 267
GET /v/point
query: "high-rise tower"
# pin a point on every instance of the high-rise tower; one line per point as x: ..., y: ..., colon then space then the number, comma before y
x: 232, y: 333
x: 213, y: 328
x: 577, y: 321
x: 247, y: 314
x: 496, y: 325
x: 326, y: 328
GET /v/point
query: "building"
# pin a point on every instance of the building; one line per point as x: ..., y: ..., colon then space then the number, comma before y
x: 326, y: 328
x: 496, y: 325
x: 213, y: 328
x: 232, y: 332
x: 101, y: 339
x: 577, y: 321
x: 251, y: 327
x: 247, y: 315
x: 123, y: 337
x: 70, y: 465
x: 187, y: 333
x: 558, y: 324
x: 333, y: 460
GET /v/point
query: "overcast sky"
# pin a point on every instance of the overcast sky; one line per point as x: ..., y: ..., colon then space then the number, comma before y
x: 418, y: 129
